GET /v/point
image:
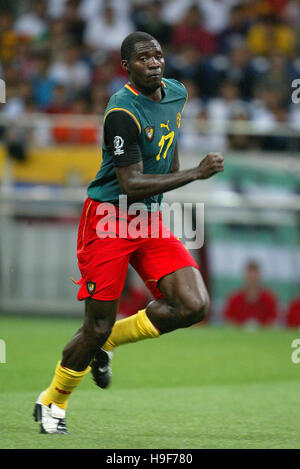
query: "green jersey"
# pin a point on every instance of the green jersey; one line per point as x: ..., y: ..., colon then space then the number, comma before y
x: 156, y: 126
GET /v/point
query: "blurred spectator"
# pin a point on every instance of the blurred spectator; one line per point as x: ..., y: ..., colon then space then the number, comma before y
x: 269, y: 110
x: 56, y: 8
x: 34, y: 23
x: 271, y: 35
x: 293, y: 313
x: 254, y: 9
x: 24, y: 60
x: 278, y: 75
x: 74, y: 24
x: 173, y: 10
x: 291, y: 13
x: 236, y: 67
x: 107, y: 30
x: 59, y: 103
x: 262, y: 107
x: 71, y: 71
x: 253, y: 303
x: 16, y: 104
x: 235, y: 32
x: 89, y: 9
x: 191, y: 32
x: 185, y: 65
x: 241, y: 71
x: 106, y: 75
x: 57, y: 39
x: 43, y: 85
x: 8, y: 37
x: 150, y: 22
x: 222, y: 108
x: 216, y: 13
x: 277, y: 142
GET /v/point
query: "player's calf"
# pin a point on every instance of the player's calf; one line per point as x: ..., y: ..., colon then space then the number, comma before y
x: 79, y: 352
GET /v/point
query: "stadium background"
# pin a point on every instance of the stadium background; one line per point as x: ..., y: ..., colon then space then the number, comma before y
x: 60, y: 63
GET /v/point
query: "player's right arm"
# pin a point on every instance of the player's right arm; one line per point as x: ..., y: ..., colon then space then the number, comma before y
x: 121, y: 138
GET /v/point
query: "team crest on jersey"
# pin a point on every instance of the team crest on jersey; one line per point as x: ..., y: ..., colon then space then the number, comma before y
x: 149, y: 132
x: 178, y: 119
x: 91, y: 286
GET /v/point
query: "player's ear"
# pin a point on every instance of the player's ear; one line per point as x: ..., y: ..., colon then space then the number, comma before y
x: 125, y: 65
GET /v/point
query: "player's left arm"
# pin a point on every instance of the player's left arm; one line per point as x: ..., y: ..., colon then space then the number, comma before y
x: 175, y: 165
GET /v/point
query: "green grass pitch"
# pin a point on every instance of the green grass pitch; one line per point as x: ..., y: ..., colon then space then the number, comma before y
x: 203, y: 387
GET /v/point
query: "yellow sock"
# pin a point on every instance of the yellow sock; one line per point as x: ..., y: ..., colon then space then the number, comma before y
x: 62, y: 385
x: 131, y: 329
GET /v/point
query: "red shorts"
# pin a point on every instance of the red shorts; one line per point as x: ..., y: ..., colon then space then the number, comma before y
x: 103, y: 261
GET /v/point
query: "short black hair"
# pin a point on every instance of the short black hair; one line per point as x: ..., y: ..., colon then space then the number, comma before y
x: 129, y: 42
x: 252, y: 265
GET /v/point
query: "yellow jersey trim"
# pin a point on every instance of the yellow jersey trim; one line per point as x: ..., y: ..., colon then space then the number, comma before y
x: 130, y: 88
x: 128, y: 112
x: 187, y: 97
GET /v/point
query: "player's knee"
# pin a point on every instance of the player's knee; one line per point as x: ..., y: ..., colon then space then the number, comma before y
x: 195, y: 308
x: 97, y: 331
x: 102, y: 330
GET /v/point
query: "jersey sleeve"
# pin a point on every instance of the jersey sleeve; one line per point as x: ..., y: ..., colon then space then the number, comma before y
x: 121, y: 139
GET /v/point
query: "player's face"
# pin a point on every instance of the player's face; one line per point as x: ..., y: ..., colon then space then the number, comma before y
x: 252, y: 277
x: 146, y: 65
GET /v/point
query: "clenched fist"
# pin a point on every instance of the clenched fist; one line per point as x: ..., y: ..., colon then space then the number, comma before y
x: 213, y: 163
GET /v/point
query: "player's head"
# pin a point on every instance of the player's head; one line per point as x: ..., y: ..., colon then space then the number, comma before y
x: 142, y: 59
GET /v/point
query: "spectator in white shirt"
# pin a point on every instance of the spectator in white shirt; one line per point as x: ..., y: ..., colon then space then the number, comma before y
x: 107, y: 31
x: 71, y: 72
x: 173, y: 11
x: 216, y: 13
x: 89, y: 9
x: 33, y: 24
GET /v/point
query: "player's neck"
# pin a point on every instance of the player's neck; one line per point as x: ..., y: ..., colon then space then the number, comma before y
x: 252, y: 292
x: 156, y: 95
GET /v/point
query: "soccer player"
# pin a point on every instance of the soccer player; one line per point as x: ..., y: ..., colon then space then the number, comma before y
x: 253, y: 303
x: 139, y: 160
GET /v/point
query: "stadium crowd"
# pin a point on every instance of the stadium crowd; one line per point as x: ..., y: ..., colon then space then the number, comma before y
x: 237, y: 58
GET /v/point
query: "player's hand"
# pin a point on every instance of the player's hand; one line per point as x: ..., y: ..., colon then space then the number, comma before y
x: 213, y: 163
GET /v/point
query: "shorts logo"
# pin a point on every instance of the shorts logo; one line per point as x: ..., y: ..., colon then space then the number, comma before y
x: 149, y: 132
x: 118, y: 145
x: 91, y: 286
